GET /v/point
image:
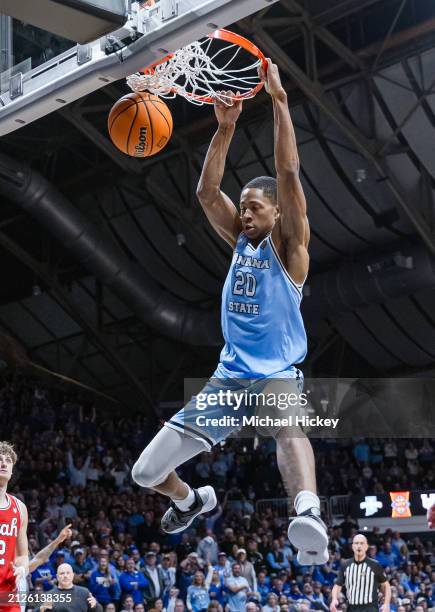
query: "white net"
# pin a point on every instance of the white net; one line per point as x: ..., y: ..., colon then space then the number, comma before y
x: 200, y: 73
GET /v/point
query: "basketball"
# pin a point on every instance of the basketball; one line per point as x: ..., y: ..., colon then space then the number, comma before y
x: 140, y: 124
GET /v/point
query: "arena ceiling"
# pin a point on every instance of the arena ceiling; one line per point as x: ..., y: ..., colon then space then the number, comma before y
x: 359, y: 76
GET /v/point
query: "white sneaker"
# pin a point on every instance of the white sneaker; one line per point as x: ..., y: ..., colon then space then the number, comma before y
x: 307, y: 532
x: 175, y: 520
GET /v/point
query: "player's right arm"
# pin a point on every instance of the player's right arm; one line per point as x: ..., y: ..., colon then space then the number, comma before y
x: 218, y: 207
x: 43, y: 555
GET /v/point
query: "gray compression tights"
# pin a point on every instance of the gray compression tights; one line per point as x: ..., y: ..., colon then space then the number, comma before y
x: 166, y: 451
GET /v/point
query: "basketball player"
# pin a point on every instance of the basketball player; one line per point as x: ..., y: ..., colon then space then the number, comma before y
x: 14, y: 553
x: 262, y: 326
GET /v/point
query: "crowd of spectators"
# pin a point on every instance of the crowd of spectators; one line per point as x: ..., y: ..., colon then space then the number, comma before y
x: 74, y: 468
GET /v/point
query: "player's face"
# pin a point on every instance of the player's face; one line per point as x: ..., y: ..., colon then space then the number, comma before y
x: 6, y: 467
x: 258, y: 213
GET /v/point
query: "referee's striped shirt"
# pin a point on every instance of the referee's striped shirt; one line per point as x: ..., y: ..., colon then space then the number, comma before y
x: 361, y: 580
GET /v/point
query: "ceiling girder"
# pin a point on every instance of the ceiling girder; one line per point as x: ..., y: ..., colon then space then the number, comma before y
x: 368, y: 148
x: 59, y: 294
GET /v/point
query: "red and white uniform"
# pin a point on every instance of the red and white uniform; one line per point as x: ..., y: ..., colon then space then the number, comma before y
x: 10, y: 523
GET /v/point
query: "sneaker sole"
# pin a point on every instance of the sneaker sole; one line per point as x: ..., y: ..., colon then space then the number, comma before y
x: 209, y: 505
x: 305, y: 558
x: 307, y: 535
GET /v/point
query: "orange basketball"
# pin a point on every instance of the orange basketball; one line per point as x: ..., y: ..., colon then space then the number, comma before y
x: 140, y: 124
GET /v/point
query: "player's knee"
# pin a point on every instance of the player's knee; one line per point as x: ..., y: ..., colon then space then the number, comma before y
x: 144, y: 472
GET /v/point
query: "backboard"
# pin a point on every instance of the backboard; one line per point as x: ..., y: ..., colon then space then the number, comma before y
x: 153, y: 30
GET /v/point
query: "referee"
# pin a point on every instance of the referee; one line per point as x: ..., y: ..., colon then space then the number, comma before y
x: 361, y: 577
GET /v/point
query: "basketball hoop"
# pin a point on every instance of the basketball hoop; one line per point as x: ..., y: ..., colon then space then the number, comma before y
x: 200, y: 71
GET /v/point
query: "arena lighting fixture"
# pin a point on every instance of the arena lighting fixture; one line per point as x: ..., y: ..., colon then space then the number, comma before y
x: 181, y: 239
x: 360, y: 175
x: 391, y: 263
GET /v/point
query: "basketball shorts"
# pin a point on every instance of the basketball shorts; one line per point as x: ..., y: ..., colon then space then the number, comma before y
x: 226, y: 406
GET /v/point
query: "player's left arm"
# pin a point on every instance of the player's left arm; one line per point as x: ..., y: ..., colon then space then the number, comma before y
x: 291, y: 233
x: 21, y: 563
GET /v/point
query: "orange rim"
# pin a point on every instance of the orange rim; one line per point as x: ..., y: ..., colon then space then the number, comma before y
x: 230, y: 37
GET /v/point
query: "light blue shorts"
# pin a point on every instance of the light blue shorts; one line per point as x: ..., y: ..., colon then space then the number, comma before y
x: 224, y: 405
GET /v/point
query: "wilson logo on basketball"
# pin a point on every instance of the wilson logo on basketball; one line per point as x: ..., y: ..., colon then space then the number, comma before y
x: 140, y: 147
x: 140, y: 124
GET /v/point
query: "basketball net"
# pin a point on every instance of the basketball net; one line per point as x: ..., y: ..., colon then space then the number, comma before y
x: 199, y: 73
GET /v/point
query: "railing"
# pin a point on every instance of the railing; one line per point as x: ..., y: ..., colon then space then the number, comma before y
x: 339, y: 506
x: 283, y: 506
x: 333, y: 509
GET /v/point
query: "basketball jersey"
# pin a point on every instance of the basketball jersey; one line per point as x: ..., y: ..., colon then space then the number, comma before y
x: 10, y: 522
x: 261, y: 319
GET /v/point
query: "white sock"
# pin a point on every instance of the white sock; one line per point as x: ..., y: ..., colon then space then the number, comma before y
x: 185, y: 503
x: 306, y: 500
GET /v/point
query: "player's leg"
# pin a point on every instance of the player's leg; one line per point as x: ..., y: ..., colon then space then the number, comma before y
x: 155, y: 469
x: 296, y: 464
x: 181, y: 439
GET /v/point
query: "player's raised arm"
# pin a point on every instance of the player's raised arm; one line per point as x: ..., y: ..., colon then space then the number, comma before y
x: 44, y: 554
x: 218, y: 207
x: 292, y: 230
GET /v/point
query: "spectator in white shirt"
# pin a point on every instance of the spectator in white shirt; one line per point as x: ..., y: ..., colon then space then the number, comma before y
x: 271, y: 603
x: 78, y: 472
x: 247, y: 569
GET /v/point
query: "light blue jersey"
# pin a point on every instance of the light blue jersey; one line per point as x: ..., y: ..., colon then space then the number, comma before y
x: 264, y: 339
x: 261, y: 318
